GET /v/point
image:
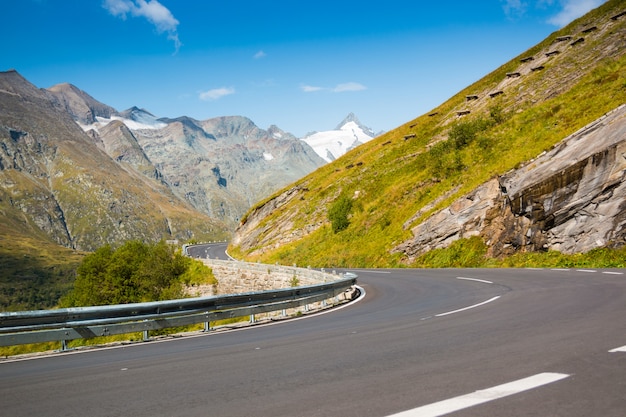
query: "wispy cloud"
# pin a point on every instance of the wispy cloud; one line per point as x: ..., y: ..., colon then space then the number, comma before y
x: 351, y: 86
x: 153, y: 11
x: 216, y: 93
x: 339, y: 88
x: 260, y: 55
x: 310, y: 88
x: 573, y: 9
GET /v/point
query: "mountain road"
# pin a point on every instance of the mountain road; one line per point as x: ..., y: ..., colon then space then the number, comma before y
x: 473, y: 342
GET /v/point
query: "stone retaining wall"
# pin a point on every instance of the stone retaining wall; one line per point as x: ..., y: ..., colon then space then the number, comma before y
x: 238, y: 277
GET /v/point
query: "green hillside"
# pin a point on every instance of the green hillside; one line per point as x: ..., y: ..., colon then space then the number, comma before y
x: 508, y: 117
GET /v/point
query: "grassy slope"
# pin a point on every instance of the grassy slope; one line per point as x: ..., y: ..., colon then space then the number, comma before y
x: 35, y: 272
x: 392, y: 178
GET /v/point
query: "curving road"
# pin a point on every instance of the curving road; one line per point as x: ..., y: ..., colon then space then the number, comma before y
x: 420, y: 343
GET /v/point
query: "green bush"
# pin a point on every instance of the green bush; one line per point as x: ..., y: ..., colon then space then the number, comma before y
x: 338, y: 213
x: 135, y: 272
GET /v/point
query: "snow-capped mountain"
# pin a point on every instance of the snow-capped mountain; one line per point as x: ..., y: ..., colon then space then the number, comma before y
x: 331, y: 144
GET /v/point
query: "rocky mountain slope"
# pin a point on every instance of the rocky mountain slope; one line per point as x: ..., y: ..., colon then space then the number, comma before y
x: 57, y: 184
x: 508, y: 159
x: 349, y: 134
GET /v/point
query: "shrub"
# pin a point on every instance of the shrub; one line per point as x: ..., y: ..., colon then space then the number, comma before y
x: 338, y: 213
x: 135, y: 272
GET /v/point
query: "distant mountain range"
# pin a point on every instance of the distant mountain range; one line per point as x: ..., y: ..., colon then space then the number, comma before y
x: 86, y: 174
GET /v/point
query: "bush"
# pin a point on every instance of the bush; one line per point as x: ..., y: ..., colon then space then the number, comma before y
x: 135, y: 272
x: 338, y: 213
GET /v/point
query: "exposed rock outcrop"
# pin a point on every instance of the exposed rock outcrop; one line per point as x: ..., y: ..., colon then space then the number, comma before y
x: 571, y: 199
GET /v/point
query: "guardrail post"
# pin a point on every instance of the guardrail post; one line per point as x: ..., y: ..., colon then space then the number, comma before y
x: 252, y: 321
x: 146, y: 334
x: 63, y: 345
x: 207, y: 324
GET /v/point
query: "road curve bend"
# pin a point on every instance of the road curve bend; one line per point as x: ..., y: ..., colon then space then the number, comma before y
x: 475, y: 342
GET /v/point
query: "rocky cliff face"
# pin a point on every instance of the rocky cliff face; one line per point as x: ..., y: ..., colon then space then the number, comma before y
x: 571, y: 199
x: 56, y: 179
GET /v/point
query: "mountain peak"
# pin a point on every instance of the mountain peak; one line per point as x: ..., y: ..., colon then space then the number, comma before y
x: 331, y: 144
x: 83, y: 107
x: 351, y: 117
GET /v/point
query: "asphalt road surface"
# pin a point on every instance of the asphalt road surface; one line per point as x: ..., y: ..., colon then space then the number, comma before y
x: 213, y: 251
x: 472, y: 342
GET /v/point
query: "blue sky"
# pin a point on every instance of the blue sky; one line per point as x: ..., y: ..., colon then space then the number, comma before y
x: 302, y: 66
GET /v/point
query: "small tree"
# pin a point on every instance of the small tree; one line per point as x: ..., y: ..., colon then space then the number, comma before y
x: 134, y: 272
x: 338, y: 213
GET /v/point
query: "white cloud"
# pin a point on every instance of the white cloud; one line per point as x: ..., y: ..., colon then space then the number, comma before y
x: 310, y: 88
x: 259, y: 55
x: 216, y: 93
x: 153, y: 11
x: 351, y: 86
x: 573, y: 9
x: 118, y: 7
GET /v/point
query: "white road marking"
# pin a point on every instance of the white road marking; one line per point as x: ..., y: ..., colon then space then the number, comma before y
x: 482, y: 396
x: 619, y: 349
x: 560, y: 269
x: 613, y: 273
x: 467, y: 308
x: 585, y: 270
x: 475, y: 279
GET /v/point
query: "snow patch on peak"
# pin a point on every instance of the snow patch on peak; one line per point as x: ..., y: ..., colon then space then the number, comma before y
x: 134, y: 121
x: 331, y: 144
x: 140, y: 123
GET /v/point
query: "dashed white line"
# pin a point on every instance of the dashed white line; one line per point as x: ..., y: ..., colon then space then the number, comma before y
x: 475, y: 279
x: 619, y: 349
x: 482, y: 396
x: 467, y: 308
x: 585, y: 270
x: 612, y: 273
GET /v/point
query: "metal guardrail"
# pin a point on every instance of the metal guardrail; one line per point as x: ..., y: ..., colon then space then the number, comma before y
x: 65, y: 324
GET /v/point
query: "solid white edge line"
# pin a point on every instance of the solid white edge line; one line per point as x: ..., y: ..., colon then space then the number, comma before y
x: 619, y: 349
x: 482, y: 396
x: 475, y: 279
x: 467, y: 308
